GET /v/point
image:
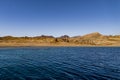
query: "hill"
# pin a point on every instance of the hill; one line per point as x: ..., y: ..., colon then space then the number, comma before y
x: 92, y: 39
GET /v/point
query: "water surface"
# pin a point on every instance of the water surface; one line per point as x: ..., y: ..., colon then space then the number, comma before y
x: 60, y: 63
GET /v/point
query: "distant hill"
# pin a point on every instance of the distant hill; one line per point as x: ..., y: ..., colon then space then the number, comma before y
x: 92, y: 39
x: 92, y: 35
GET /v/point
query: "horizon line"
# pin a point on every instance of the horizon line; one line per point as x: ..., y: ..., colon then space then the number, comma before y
x: 61, y: 35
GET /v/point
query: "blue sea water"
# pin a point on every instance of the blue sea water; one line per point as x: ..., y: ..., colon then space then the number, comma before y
x: 60, y: 63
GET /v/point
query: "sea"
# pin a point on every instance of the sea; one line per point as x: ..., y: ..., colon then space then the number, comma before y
x: 60, y: 63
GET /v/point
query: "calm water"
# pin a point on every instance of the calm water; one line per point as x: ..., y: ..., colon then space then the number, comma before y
x: 60, y: 63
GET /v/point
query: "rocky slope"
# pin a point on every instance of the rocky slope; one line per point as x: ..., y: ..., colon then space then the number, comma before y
x: 92, y: 39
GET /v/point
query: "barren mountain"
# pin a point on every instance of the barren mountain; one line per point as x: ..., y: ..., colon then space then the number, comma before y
x: 92, y: 39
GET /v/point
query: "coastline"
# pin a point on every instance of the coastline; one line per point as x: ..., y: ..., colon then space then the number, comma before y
x: 51, y: 45
x: 89, y: 40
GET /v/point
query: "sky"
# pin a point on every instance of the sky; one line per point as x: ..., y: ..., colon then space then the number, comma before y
x: 59, y: 17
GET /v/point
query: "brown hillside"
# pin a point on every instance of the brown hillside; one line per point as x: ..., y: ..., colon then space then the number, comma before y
x: 92, y: 35
x: 95, y: 38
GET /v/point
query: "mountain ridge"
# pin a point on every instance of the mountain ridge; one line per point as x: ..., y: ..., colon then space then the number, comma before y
x: 91, y: 39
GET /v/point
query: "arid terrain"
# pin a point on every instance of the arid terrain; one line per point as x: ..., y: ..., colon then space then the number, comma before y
x: 92, y: 39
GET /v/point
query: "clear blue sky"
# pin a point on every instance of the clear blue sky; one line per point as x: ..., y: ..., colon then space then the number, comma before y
x: 59, y: 17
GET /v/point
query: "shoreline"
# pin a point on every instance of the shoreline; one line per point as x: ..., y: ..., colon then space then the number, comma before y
x: 55, y: 45
x: 89, y: 40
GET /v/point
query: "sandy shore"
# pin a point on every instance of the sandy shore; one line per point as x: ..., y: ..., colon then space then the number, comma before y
x: 51, y: 44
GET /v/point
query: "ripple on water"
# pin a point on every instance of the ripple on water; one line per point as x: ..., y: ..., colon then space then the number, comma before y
x: 59, y: 64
